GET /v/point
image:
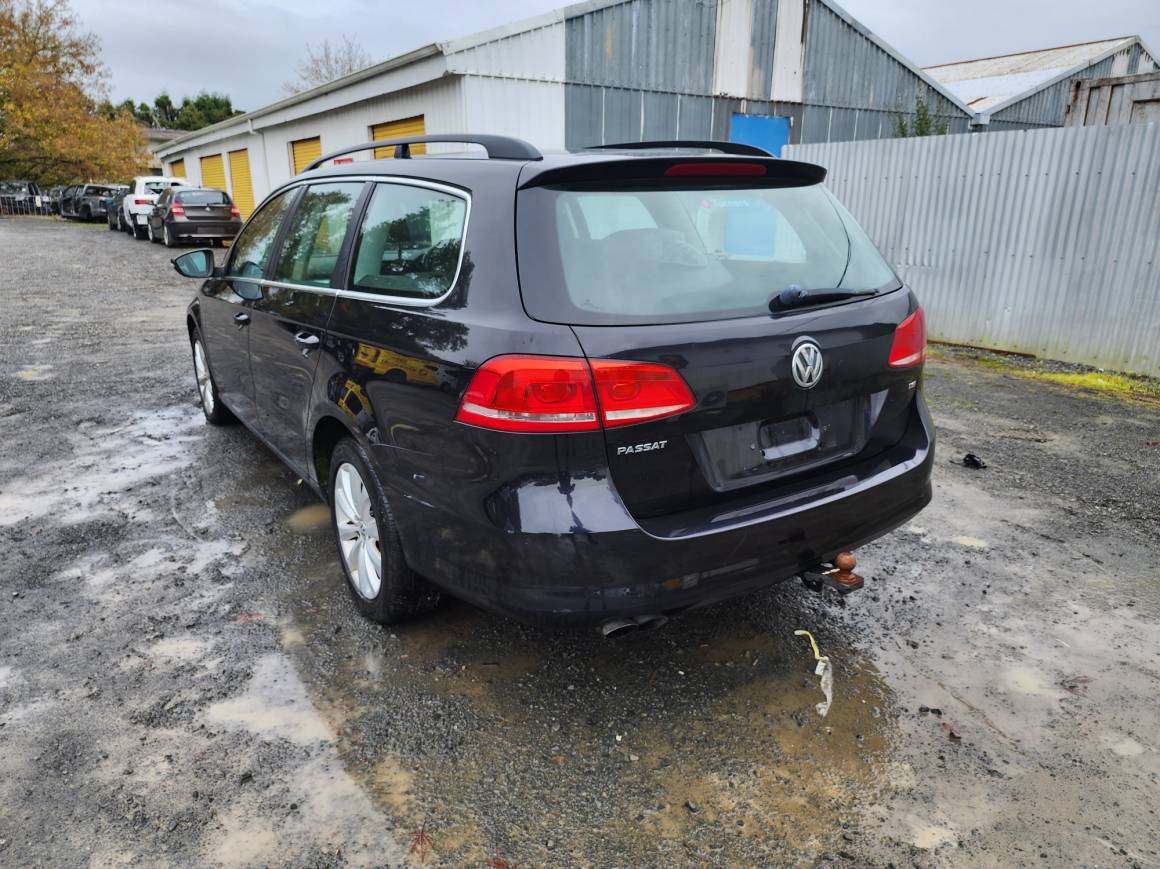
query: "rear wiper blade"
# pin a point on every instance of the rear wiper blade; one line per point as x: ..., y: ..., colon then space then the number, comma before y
x: 794, y: 296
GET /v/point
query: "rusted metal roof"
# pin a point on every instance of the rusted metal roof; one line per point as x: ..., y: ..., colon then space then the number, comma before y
x: 986, y: 83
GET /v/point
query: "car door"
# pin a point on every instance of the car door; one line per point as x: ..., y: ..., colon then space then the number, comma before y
x: 291, y: 313
x: 227, y: 302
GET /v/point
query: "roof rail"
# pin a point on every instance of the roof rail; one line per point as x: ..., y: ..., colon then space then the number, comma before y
x: 497, y: 147
x: 736, y: 148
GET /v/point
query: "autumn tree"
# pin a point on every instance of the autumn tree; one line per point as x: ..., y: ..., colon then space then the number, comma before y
x: 52, y: 128
x: 328, y: 62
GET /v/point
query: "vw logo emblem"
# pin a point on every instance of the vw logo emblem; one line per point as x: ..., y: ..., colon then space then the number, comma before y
x: 807, y: 364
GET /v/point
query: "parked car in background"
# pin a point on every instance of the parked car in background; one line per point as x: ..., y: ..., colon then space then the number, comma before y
x: 19, y: 197
x: 139, y: 201
x: 114, y: 213
x: 193, y: 214
x: 678, y: 377
x: 52, y: 199
x: 87, y: 201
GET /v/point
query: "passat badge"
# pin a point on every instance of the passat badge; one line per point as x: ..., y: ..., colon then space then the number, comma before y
x: 807, y: 364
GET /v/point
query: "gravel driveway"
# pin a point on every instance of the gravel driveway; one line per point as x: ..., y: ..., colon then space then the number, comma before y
x: 183, y: 679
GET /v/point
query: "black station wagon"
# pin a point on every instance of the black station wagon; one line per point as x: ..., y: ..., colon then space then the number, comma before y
x: 589, y: 388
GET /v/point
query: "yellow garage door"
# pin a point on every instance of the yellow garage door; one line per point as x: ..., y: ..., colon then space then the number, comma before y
x: 177, y: 169
x: 213, y: 172
x: 396, y: 130
x: 304, y: 152
x: 241, y: 182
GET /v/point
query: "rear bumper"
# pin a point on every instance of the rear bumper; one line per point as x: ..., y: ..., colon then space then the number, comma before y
x: 556, y: 570
x: 206, y: 231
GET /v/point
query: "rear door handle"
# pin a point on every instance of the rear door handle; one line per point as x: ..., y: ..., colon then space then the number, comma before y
x: 242, y: 319
x: 307, y: 341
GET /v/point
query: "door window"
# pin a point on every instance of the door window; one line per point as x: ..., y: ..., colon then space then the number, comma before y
x: 410, y: 242
x: 314, y: 239
x: 251, y: 249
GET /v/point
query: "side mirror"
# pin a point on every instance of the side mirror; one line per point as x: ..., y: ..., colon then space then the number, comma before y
x: 195, y: 264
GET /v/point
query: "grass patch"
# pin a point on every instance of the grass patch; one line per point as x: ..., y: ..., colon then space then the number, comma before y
x: 1126, y: 386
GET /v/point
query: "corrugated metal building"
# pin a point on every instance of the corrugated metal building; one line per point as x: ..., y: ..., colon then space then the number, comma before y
x: 768, y: 72
x: 1031, y: 89
x: 1038, y: 241
x: 1109, y: 102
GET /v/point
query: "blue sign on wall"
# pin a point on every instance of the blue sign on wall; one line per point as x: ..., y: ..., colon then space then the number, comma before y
x: 765, y: 131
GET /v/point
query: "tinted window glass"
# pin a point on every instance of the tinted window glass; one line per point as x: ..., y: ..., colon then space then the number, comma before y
x: 251, y: 249
x: 317, y: 229
x: 98, y: 191
x: 202, y: 197
x: 410, y: 242
x: 671, y: 255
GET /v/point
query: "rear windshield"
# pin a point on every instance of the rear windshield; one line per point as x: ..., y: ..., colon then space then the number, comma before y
x: 202, y: 197
x: 158, y: 186
x: 602, y: 257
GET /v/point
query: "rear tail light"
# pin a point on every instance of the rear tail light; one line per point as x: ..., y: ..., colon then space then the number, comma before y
x: 235, y: 213
x: 140, y: 201
x: 631, y: 392
x: 177, y: 210
x: 566, y: 394
x: 909, y: 348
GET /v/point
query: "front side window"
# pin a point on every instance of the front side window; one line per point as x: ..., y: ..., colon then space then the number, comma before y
x: 410, y: 242
x: 314, y: 239
x: 251, y: 249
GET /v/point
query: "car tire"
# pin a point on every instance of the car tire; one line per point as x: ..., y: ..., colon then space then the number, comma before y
x: 149, y: 233
x: 363, y: 523
x: 215, y: 412
x: 137, y: 232
x: 167, y: 236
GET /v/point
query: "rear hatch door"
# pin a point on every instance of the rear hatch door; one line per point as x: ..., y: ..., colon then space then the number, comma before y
x: 675, y: 261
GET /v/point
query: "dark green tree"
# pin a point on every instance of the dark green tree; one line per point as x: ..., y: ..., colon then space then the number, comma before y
x: 925, y: 123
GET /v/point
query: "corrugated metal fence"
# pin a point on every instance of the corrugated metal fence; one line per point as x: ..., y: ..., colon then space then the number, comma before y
x: 1044, y: 242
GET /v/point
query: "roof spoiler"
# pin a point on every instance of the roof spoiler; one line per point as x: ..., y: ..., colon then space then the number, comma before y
x: 737, y: 148
x: 497, y: 147
x: 709, y: 170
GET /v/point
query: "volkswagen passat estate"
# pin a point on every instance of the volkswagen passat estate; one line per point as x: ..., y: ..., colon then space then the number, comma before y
x: 608, y: 385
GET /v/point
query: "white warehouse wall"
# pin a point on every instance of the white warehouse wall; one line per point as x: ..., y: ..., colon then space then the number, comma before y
x: 440, y: 103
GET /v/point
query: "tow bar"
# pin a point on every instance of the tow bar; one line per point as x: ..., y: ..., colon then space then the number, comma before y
x: 841, y: 577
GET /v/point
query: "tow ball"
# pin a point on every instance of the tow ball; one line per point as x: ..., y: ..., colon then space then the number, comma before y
x: 841, y: 577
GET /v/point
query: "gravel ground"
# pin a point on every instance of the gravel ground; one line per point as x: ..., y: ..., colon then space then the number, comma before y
x: 183, y: 679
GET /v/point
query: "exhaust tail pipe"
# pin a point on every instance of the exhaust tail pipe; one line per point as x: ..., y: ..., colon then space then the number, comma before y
x: 620, y: 627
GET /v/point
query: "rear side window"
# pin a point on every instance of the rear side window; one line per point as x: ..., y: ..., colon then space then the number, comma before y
x: 203, y: 197
x: 410, y: 242
x: 656, y: 255
x: 251, y: 249
x: 310, y: 251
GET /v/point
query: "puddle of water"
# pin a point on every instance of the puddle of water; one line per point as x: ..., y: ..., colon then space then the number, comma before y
x: 180, y: 648
x: 35, y: 373
x: 971, y: 542
x: 274, y: 706
x: 314, y: 519
x: 105, y: 463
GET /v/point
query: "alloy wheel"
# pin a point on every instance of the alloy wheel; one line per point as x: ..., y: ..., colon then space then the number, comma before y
x: 358, y: 531
x: 204, y: 384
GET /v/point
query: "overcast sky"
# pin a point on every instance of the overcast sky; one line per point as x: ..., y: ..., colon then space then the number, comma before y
x: 248, y: 48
